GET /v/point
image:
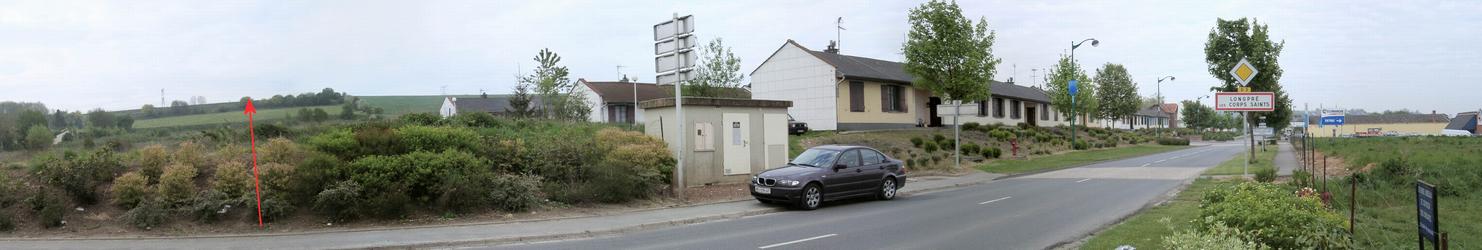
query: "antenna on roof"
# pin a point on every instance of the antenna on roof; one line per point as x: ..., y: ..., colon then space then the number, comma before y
x: 838, y: 33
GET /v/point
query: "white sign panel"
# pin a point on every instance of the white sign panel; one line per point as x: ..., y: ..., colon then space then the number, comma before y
x: 1263, y: 131
x: 1248, y: 101
x: 673, y: 77
x: 665, y: 30
x: 669, y: 62
x: 671, y: 45
x: 945, y: 110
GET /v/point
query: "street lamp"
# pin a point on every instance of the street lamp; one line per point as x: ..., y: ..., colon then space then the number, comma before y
x: 1073, y: 46
x: 1160, y: 101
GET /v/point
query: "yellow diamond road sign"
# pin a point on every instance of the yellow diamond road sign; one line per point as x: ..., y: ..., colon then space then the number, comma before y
x: 1244, y: 72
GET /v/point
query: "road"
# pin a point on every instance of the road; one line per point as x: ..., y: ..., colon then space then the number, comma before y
x: 1029, y: 212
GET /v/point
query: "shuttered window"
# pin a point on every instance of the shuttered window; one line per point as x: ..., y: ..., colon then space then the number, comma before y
x: 892, y: 98
x: 1044, y: 112
x: 856, y: 96
x: 1015, y: 109
x: 998, y: 107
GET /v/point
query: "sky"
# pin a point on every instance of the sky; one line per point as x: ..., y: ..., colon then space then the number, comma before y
x: 78, y: 55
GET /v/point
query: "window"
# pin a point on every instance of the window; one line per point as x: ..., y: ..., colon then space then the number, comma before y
x: 871, y: 157
x: 856, y: 96
x: 892, y: 98
x: 850, y: 159
x: 619, y: 114
x: 1044, y: 112
x: 998, y: 107
x: 704, y: 137
x: 1014, y: 113
x: 983, y: 108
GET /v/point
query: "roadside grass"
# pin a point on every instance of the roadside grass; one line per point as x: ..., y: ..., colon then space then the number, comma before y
x: 1386, y: 202
x: 1235, y: 166
x: 1146, y: 230
x: 1072, y: 159
x: 395, y: 106
x: 795, y: 142
x: 227, y: 117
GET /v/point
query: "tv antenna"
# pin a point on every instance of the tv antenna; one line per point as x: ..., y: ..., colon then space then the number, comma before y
x: 839, y: 32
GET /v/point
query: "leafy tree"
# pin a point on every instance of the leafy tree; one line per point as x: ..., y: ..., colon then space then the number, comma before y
x: 59, y: 120
x: 31, y: 118
x: 1085, y: 97
x: 947, y: 53
x: 1231, y: 40
x: 519, y: 103
x: 1198, y: 117
x: 557, y: 92
x: 347, y: 112
x: 148, y: 110
x: 38, y: 137
x: 1117, y: 93
x: 101, y: 119
x: 125, y: 122
x: 179, y: 107
x: 719, y: 71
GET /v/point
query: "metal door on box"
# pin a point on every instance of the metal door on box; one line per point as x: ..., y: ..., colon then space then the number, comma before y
x: 737, y: 146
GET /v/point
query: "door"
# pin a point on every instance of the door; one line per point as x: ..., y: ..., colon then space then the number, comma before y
x: 774, y: 126
x: 1030, y: 119
x: 843, y: 182
x: 931, y: 107
x: 873, y: 169
x: 737, y: 149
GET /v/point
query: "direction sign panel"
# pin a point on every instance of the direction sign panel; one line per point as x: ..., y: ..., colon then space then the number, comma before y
x: 1263, y: 132
x: 1252, y: 101
x: 1425, y: 206
x: 1332, y: 120
x: 674, y: 54
x: 1073, y: 88
x: 1243, y: 72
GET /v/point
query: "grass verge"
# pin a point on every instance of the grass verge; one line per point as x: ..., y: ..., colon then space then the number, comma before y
x: 228, y: 117
x: 1146, y: 230
x: 1234, y: 166
x: 1072, y: 159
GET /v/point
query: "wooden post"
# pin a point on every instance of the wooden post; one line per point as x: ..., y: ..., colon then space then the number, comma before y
x: 1352, y: 202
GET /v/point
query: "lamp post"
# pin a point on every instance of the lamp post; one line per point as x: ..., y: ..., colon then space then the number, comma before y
x: 1073, y: 46
x: 1160, y: 102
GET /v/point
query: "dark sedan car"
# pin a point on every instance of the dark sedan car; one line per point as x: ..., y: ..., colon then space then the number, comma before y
x: 830, y: 172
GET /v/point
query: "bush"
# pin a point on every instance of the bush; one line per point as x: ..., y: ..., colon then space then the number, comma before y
x: 38, y: 137
x: 1080, y: 145
x: 314, y: 175
x: 7, y: 221
x: 177, y: 184
x: 49, y: 208
x: 280, y: 150
x: 269, y: 130
x: 233, y: 179
x: 1266, y: 175
x: 130, y: 189
x: 146, y: 215
x: 1002, y: 135
x: 931, y: 146
x: 276, y: 207
x: 392, y: 182
x: 190, y: 153
x: 992, y: 152
x: 1301, y: 178
x: 1397, y: 170
x: 424, y: 119
x: 1271, y: 215
x: 1217, y: 236
x: 1173, y: 141
x: 339, y: 142
x: 210, y: 205
x: 917, y: 142
x: 78, y: 175
x: 938, y: 138
x: 970, y: 148
x: 635, y: 166
x: 970, y: 126
x: 438, y: 138
x: 473, y: 119
x: 514, y: 192
x: 340, y: 201
x: 152, y: 160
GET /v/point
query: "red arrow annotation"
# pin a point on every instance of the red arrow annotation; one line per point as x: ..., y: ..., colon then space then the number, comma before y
x: 257, y: 184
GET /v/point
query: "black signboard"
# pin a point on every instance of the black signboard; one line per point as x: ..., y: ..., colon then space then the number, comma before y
x: 1425, y: 210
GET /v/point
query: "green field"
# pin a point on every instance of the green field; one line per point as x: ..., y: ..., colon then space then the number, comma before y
x: 1386, y: 193
x: 1072, y: 159
x: 1146, y: 230
x: 1235, y: 166
x: 226, y: 117
x: 400, y: 105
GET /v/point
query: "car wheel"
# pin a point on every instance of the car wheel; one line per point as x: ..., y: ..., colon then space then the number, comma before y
x: 887, y: 189
x: 812, y: 197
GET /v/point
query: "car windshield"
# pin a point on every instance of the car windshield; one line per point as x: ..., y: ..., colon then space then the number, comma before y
x: 815, y: 157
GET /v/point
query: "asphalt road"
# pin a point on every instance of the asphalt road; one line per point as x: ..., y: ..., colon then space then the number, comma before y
x: 1028, y: 212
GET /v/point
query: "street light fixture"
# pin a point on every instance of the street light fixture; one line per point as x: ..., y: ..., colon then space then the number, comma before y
x: 1073, y: 46
x: 1160, y: 101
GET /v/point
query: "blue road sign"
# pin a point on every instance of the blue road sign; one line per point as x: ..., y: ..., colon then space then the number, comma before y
x: 1073, y: 88
x: 1332, y: 120
x: 1425, y: 206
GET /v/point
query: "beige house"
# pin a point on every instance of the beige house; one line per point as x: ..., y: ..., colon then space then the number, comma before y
x: 832, y: 91
x: 1388, y: 124
x: 726, y: 140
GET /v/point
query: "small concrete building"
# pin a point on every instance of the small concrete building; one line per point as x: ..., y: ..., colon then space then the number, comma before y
x: 726, y: 140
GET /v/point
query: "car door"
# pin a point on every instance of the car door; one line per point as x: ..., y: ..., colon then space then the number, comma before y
x: 844, y: 181
x: 873, y: 169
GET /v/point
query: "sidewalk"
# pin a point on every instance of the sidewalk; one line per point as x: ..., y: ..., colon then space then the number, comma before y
x: 471, y: 233
x: 1286, y: 160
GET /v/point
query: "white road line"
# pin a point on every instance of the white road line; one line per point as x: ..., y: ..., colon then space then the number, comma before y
x: 999, y: 199
x: 1083, y: 180
x: 796, y: 241
x: 1146, y: 164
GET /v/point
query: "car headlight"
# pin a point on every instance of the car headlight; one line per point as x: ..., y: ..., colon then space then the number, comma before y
x: 787, y: 182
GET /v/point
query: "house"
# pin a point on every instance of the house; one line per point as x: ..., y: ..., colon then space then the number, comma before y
x: 1468, y: 122
x: 1388, y: 124
x: 1151, y: 116
x: 1011, y: 104
x: 726, y: 139
x: 493, y: 104
x: 832, y: 91
x: 613, y: 101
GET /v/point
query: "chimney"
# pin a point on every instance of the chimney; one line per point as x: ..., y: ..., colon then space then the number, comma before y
x: 833, y: 47
x: 1011, y: 81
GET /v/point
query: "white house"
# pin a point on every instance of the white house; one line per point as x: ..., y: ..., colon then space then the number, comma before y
x: 613, y: 101
x: 449, y: 108
x: 832, y: 91
x: 492, y: 104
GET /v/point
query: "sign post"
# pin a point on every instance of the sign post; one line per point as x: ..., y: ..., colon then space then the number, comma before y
x: 1426, y: 212
x: 674, y: 59
x: 1246, y: 102
x: 1072, y: 89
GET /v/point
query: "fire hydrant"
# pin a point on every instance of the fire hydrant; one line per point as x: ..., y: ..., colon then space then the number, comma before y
x: 1014, y: 143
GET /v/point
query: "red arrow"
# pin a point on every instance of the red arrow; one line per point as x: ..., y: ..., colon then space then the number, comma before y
x: 249, y: 110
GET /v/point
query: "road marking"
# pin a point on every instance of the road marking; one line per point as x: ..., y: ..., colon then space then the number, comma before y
x: 796, y: 241
x: 999, y: 199
x: 1146, y: 164
x: 1083, y: 180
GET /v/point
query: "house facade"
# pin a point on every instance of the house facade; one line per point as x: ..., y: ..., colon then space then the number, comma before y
x: 613, y: 101
x: 831, y: 91
x: 1387, y: 124
x: 1011, y: 104
x: 492, y: 104
x: 725, y: 139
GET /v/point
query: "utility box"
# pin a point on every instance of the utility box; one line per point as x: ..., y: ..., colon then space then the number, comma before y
x: 726, y: 140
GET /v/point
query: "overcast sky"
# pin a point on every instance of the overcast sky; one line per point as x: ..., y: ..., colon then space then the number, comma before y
x: 1376, y: 55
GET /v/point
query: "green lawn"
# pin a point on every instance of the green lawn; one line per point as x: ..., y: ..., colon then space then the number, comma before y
x: 1234, y: 166
x: 1386, y: 203
x: 795, y: 144
x: 226, y: 117
x: 1146, y: 230
x: 1072, y: 159
x: 400, y: 105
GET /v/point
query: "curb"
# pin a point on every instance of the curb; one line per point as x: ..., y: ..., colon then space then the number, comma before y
x: 1041, y: 171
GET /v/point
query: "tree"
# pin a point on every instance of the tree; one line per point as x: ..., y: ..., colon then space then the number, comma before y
x: 1085, y: 97
x: 38, y: 137
x: 320, y: 115
x: 347, y: 112
x: 519, y: 103
x: 719, y: 72
x: 1199, y: 117
x: 950, y: 56
x: 30, y: 118
x: 558, y: 94
x: 100, y: 119
x: 59, y: 120
x: 148, y: 110
x: 179, y: 107
x: 125, y: 122
x: 1116, y: 93
x: 1231, y: 40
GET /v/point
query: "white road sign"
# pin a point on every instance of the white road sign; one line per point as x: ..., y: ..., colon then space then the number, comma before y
x: 1248, y: 101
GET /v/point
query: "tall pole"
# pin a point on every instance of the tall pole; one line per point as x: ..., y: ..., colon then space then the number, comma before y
x: 957, y: 134
x: 1073, y: 46
x: 679, y: 114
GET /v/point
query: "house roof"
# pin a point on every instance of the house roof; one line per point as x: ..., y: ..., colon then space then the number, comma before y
x: 1388, y: 118
x: 622, y: 92
x: 493, y: 104
x: 1018, y: 91
x: 1464, y: 121
x: 866, y: 68
x: 1171, y: 108
x: 1151, y: 111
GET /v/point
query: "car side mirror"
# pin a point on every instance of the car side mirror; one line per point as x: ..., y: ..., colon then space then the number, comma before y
x: 840, y: 167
